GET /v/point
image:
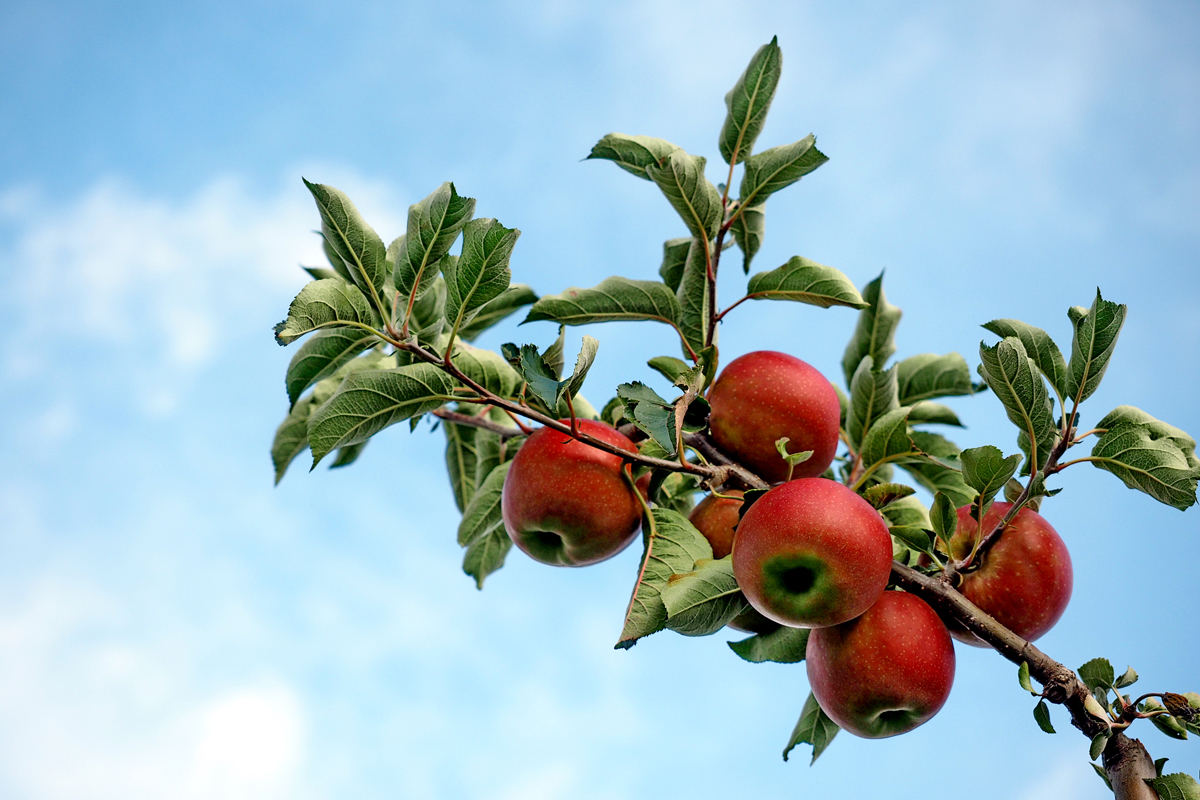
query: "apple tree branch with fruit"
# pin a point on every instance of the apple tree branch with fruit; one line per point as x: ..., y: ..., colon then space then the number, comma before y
x: 804, y: 537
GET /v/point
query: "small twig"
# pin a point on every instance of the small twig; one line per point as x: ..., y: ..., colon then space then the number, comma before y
x: 473, y: 421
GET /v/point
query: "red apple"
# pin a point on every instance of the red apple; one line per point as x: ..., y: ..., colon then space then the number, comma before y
x: 811, y: 553
x: 764, y: 396
x: 716, y: 517
x: 1024, y: 579
x: 885, y: 672
x: 566, y: 503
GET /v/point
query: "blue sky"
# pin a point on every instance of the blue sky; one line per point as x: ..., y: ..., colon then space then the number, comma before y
x: 171, y: 625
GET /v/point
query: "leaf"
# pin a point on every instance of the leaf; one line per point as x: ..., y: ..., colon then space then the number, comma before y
x: 669, y: 367
x: 513, y: 298
x: 554, y: 357
x: 485, y: 556
x: 320, y: 273
x: 1097, y: 673
x: 874, y: 335
x: 676, y: 492
x: 433, y: 225
x: 872, y: 394
x: 1096, y: 333
x: 701, y: 602
x: 926, y: 376
x: 1148, y: 459
x: 884, y: 494
x: 339, y: 267
x: 675, y: 253
x: 461, y: 456
x: 614, y: 299
x: 815, y: 728
x: 680, y: 176
x: 1157, y: 428
x: 1040, y: 348
x: 487, y: 368
x: 1010, y: 373
x: 1098, y: 743
x: 542, y: 381
x: 653, y: 415
x: 783, y: 645
x: 927, y: 413
x: 322, y: 304
x: 348, y: 455
x: 323, y: 354
x: 481, y: 515
x: 943, y: 518
x: 1099, y: 770
x: 672, y: 548
x: 368, y: 401
x: 888, y: 437
x: 913, y: 538
x: 1023, y: 678
x: 695, y: 302
x: 749, y: 228
x: 771, y: 170
x: 748, y: 102
x: 481, y: 273
x: 1041, y: 712
x: 1166, y: 723
x: 805, y: 281
x: 632, y: 153
x: 291, y: 438
x: 1128, y: 678
x: 352, y: 241
x: 1176, y: 786
x: 986, y: 470
x: 934, y: 474
x: 583, y: 362
x: 906, y: 511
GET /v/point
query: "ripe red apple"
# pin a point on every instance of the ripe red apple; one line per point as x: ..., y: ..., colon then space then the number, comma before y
x: 716, y: 517
x: 811, y: 553
x: 566, y: 503
x: 764, y: 396
x: 1024, y: 580
x: 885, y: 672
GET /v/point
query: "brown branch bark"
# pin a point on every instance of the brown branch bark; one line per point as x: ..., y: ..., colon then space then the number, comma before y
x: 478, y: 422
x: 1129, y: 766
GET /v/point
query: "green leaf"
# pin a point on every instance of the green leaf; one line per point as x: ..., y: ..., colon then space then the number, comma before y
x: 615, y: 299
x: 1164, y: 722
x: 461, y: 457
x: 291, y: 438
x: 1146, y: 457
x: 497, y: 309
x: 554, y: 357
x: 884, y: 494
x: 675, y: 253
x: 339, y: 267
x: 694, y: 298
x: 1098, y: 743
x: 1158, y: 429
x: 428, y: 315
x: 487, y: 368
x: 906, y: 511
x: 1176, y: 786
x: 1014, y: 378
x: 320, y: 273
x: 815, y: 728
x: 783, y: 645
x: 352, y: 241
x: 632, y: 153
x: 323, y: 354
x: 701, y: 602
x: 481, y: 273
x: 348, y: 455
x: 1096, y: 334
x: 927, y: 375
x: 672, y: 548
x: 771, y: 170
x: 1159, y: 763
x: 542, y: 380
x: 887, y: 437
x: 583, y: 362
x: 805, y: 281
x: 943, y: 518
x: 669, y: 367
x: 1102, y: 773
x: 1023, y: 678
x: 680, y: 176
x: 872, y: 394
x: 323, y: 304
x: 1040, y: 348
x: 1128, y: 678
x: 748, y: 102
x: 368, y: 401
x: 481, y: 515
x: 1041, y: 712
x: 485, y: 556
x: 875, y: 333
x: 676, y: 492
x: 653, y: 415
x: 934, y: 473
x: 986, y: 470
x: 913, y: 538
x: 927, y: 413
x: 749, y: 228
x: 1097, y: 673
x: 433, y: 225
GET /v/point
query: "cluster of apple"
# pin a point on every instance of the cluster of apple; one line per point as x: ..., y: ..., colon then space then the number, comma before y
x: 809, y: 553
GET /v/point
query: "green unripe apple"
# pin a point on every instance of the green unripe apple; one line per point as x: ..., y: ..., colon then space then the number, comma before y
x: 885, y: 672
x: 764, y: 396
x: 811, y: 553
x: 567, y: 503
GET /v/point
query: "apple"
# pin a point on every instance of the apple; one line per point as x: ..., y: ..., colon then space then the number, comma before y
x: 716, y: 517
x: 885, y: 672
x: 567, y: 503
x: 1024, y: 578
x: 764, y: 396
x: 811, y: 553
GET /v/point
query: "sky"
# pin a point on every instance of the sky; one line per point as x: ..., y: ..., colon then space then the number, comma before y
x: 173, y: 626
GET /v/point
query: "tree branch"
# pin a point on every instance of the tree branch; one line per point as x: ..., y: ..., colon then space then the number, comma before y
x: 472, y: 421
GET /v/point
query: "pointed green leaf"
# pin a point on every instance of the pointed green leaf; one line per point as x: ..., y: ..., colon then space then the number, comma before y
x: 1099, y: 770
x: 913, y: 538
x: 872, y: 394
x: 934, y: 474
x: 669, y: 367
x: 749, y: 228
x: 352, y: 241
x: 1097, y: 673
x: 906, y: 511
x: 927, y: 375
x: 944, y: 518
x: 461, y: 454
x: 928, y: 413
x: 487, y: 368
x: 815, y: 728
x: 805, y: 281
x: 320, y: 273
x: 632, y: 153
x: 583, y: 363
x: 481, y: 515
x: 675, y: 253
x: 497, y: 309
x: 554, y: 357
x: 1157, y: 428
x: 986, y: 470
x: 771, y: 170
x: 1023, y: 678
x: 887, y: 437
x: 323, y: 354
x: 481, y: 273
x: 874, y: 335
x: 681, y: 179
x: 486, y: 555
x: 1039, y: 346
x: 339, y: 267
x: 348, y: 455
x: 695, y: 302
x: 702, y: 602
x: 1041, y: 712
x: 541, y: 379
x: 433, y: 225
x: 291, y: 438
x: 1018, y: 384
x: 614, y: 299
x: 1147, y: 458
x: 323, y: 304
x: 748, y: 102
x: 1166, y: 723
x: 368, y: 401
x: 1095, y: 339
x: 882, y: 495
x: 1176, y: 786
x: 783, y: 645
x: 1128, y: 678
